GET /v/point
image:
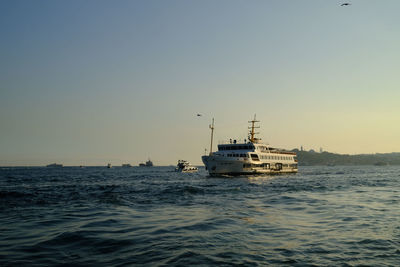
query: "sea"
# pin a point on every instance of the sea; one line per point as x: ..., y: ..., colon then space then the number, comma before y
x: 94, y: 216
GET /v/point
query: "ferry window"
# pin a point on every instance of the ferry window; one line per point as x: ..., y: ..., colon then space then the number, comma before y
x: 254, y: 157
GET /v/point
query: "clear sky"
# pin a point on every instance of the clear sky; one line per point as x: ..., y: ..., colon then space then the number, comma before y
x: 92, y: 82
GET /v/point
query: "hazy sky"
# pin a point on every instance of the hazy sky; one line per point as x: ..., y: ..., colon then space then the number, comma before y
x: 92, y: 82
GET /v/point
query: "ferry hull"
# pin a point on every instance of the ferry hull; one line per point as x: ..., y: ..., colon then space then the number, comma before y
x: 223, y: 166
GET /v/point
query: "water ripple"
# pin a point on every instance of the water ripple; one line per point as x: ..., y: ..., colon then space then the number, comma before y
x: 323, y: 216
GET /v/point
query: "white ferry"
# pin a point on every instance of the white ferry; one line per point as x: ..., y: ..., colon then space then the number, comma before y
x: 184, y: 166
x: 251, y: 157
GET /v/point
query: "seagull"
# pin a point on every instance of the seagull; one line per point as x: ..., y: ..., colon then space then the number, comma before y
x: 345, y: 4
x: 198, y: 115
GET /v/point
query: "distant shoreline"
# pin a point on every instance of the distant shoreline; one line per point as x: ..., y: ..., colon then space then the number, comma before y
x: 311, y: 158
x: 305, y: 158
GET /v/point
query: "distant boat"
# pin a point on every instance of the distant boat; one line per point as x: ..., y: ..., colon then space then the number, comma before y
x: 184, y: 166
x: 54, y: 165
x: 109, y: 166
x: 127, y: 165
x: 148, y: 163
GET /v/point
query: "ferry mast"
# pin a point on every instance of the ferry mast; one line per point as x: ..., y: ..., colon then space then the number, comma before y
x: 212, y: 134
x: 252, y: 132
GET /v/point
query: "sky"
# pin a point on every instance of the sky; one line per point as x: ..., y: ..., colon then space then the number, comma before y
x: 95, y: 82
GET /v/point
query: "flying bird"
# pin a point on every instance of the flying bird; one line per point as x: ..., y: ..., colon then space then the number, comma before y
x: 198, y: 115
x: 345, y: 4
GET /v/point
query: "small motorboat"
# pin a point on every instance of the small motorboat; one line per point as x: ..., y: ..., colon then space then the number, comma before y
x: 184, y: 166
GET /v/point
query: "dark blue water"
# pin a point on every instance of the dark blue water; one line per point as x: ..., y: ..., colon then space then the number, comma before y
x: 325, y: 216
